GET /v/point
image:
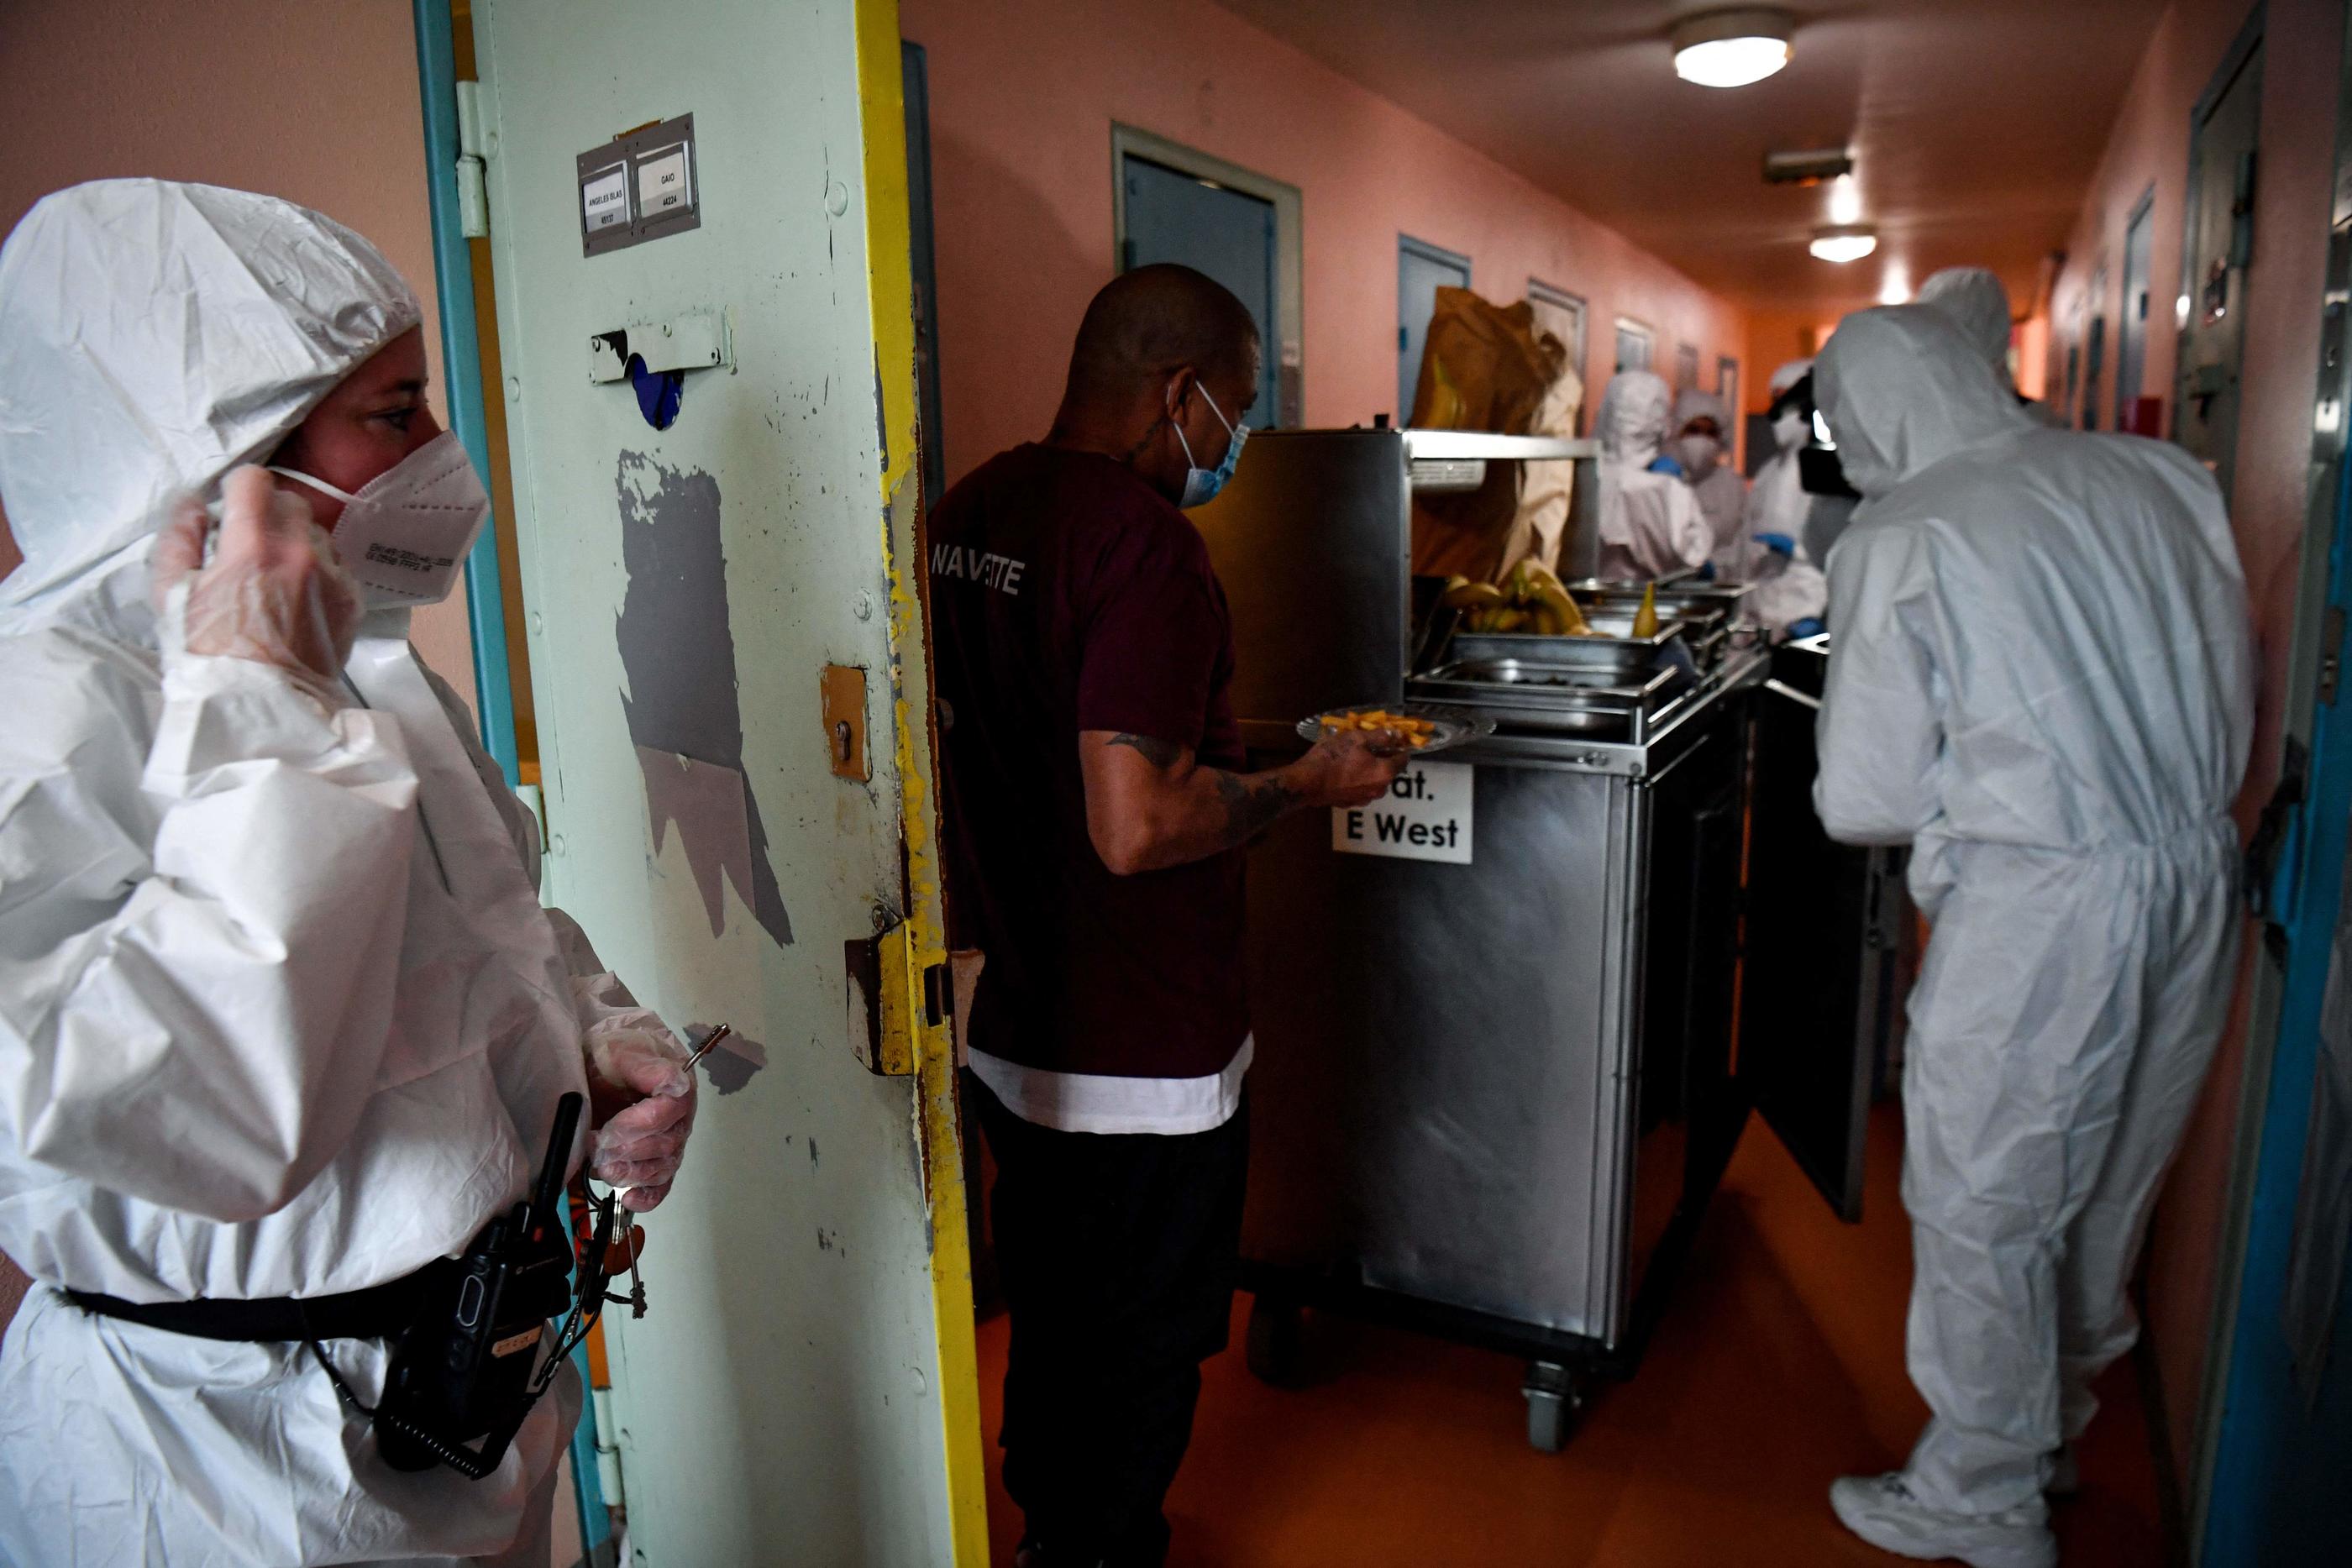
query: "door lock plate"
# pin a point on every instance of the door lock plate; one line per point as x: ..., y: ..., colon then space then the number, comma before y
x: 840, y: 692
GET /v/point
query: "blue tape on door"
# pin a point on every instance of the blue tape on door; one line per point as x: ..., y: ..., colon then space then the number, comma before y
x: 659, y: 392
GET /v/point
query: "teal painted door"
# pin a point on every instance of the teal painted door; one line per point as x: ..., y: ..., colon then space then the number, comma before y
x: 1211, y: 228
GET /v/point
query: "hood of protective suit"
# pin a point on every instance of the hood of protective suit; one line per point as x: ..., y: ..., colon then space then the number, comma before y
x: 1902, y: 390
x: 1697, y: 405
x: 1631, y: 423
x: 1788, y: 375
x: 1973, y: 298
x: 152, y: 337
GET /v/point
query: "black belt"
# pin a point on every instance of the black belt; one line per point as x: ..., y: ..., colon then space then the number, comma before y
x: 379, y: 1311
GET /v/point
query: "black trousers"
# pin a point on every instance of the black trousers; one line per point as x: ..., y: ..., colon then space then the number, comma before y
x: 1118, y: 1255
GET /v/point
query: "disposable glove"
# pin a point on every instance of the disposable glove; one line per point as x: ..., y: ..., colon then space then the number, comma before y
x: 644, y: 1100
x: 1811, y: 626
x: 1779, y: 543
x: 275, y: 592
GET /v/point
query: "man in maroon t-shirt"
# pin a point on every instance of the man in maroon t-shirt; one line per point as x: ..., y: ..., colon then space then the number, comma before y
x: 1097, y: 812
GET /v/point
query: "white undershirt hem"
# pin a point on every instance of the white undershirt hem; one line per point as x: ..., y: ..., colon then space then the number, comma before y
x: 1098, y: 1103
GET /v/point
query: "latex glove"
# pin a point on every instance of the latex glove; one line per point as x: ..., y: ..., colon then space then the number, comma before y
x: 644, y: 1100
x: 1811, y: 626
x: 1663, y: 464
x: 274, y: 592
x: 1779, y: 543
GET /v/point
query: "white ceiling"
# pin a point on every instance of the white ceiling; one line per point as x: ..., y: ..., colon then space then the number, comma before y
x: 1976, y: 124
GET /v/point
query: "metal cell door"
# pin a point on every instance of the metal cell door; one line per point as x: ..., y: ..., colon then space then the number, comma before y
x: 2131, y: 335
x: 1211, y: 228
x: 709, y: 348
x: 2217, y: 246
x: 1422, y: 270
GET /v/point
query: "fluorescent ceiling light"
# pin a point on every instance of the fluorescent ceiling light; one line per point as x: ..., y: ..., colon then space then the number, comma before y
x: 1732, y: 48
x: 1846, y: 200
x: 1849, y: 243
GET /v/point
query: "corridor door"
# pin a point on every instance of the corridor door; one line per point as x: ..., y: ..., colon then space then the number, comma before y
x: 700, y: 226
x: 1422, y: 270
x: 1212, y: 228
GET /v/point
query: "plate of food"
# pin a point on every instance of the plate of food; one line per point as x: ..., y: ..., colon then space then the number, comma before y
x: 1420, y: 729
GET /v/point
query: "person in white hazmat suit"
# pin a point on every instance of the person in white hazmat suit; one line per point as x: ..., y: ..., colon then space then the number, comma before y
x: 1651, y: 524
x: 1977, y: 303
x: 1791, y: 593
x: 1702, y: 448
x: 2043, y: 680
x: 280, y: 1014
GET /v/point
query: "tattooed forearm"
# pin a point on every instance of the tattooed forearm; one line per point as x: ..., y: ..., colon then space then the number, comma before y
x: 1158, y: 753
x: 1252, y: 804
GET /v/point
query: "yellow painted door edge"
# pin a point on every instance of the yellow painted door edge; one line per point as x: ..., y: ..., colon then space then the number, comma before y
x: 907, y: 1027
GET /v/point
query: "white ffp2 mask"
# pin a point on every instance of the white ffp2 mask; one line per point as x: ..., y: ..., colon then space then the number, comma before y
x: 406, y: 533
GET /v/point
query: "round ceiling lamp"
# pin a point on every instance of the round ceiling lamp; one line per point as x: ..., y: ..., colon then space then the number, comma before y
x: 1733, y: 48
x: 1845, y: 242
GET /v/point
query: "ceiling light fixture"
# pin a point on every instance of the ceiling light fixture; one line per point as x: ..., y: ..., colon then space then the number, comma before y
x: 1845, y: 242
x: 1845, y: 201
x: 1733, y: 48
x: 1814, y: 168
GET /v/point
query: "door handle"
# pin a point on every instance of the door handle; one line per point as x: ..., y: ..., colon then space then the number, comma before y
x: 2266, y: 852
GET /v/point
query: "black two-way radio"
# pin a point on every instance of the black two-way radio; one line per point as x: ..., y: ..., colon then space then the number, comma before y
x: 463, y: 1371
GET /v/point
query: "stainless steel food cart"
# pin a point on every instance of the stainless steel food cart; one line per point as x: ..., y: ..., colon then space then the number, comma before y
x: 1492, y: 1093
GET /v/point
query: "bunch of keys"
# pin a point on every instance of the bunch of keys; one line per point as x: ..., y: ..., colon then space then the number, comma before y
x: 625, y: 1248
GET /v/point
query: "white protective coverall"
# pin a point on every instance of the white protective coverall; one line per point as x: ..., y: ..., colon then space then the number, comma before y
x: 1789, y: 587
x: 1721, y: 493
x: 1977, y: 303
x: 2043, y: 678
x: 1651, y: 524
x: 281, y: 1013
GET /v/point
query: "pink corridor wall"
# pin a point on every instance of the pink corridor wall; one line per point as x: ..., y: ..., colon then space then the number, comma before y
x: 1023, y: 95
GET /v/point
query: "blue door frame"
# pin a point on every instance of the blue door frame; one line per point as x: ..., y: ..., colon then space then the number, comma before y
x: 461, y: 364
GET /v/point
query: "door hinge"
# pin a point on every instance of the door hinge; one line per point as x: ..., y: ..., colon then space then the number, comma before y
x: 473, y: 155
x: 892, y: 998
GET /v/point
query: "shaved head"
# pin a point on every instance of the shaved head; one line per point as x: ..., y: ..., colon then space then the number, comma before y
x: 1147, y: 324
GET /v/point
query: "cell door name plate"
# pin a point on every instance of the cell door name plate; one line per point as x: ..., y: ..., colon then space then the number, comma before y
x: 639, y: 187
x: 1425, y: 816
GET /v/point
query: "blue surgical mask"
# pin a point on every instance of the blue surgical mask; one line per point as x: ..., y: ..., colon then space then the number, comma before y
x: 1201, y: 485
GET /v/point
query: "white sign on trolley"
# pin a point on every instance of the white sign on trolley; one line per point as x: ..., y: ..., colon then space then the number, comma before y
x: 1424, y: 817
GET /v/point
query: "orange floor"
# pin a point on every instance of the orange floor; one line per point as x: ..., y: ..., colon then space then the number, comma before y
x: 1778, y: 1367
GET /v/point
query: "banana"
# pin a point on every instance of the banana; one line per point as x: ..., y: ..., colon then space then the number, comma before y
x: 1567, y: 619
x: 1645, y: 619
x: 1461, y: 594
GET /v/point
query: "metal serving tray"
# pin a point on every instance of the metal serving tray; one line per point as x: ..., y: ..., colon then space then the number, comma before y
x: 1613, y: 651
x: 1555, y: 699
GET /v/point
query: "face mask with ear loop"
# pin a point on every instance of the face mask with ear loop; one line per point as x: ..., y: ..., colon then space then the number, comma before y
x: 1201, y: 485
x: 406, y: 533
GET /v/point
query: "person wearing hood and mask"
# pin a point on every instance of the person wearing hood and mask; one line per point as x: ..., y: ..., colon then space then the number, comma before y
x: 2043, y: 682
x: 1702, y: 448
x: 1978, y: 304
x: 1791, y: 594
x: 282, y: 1022
x: 1651, y: 523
